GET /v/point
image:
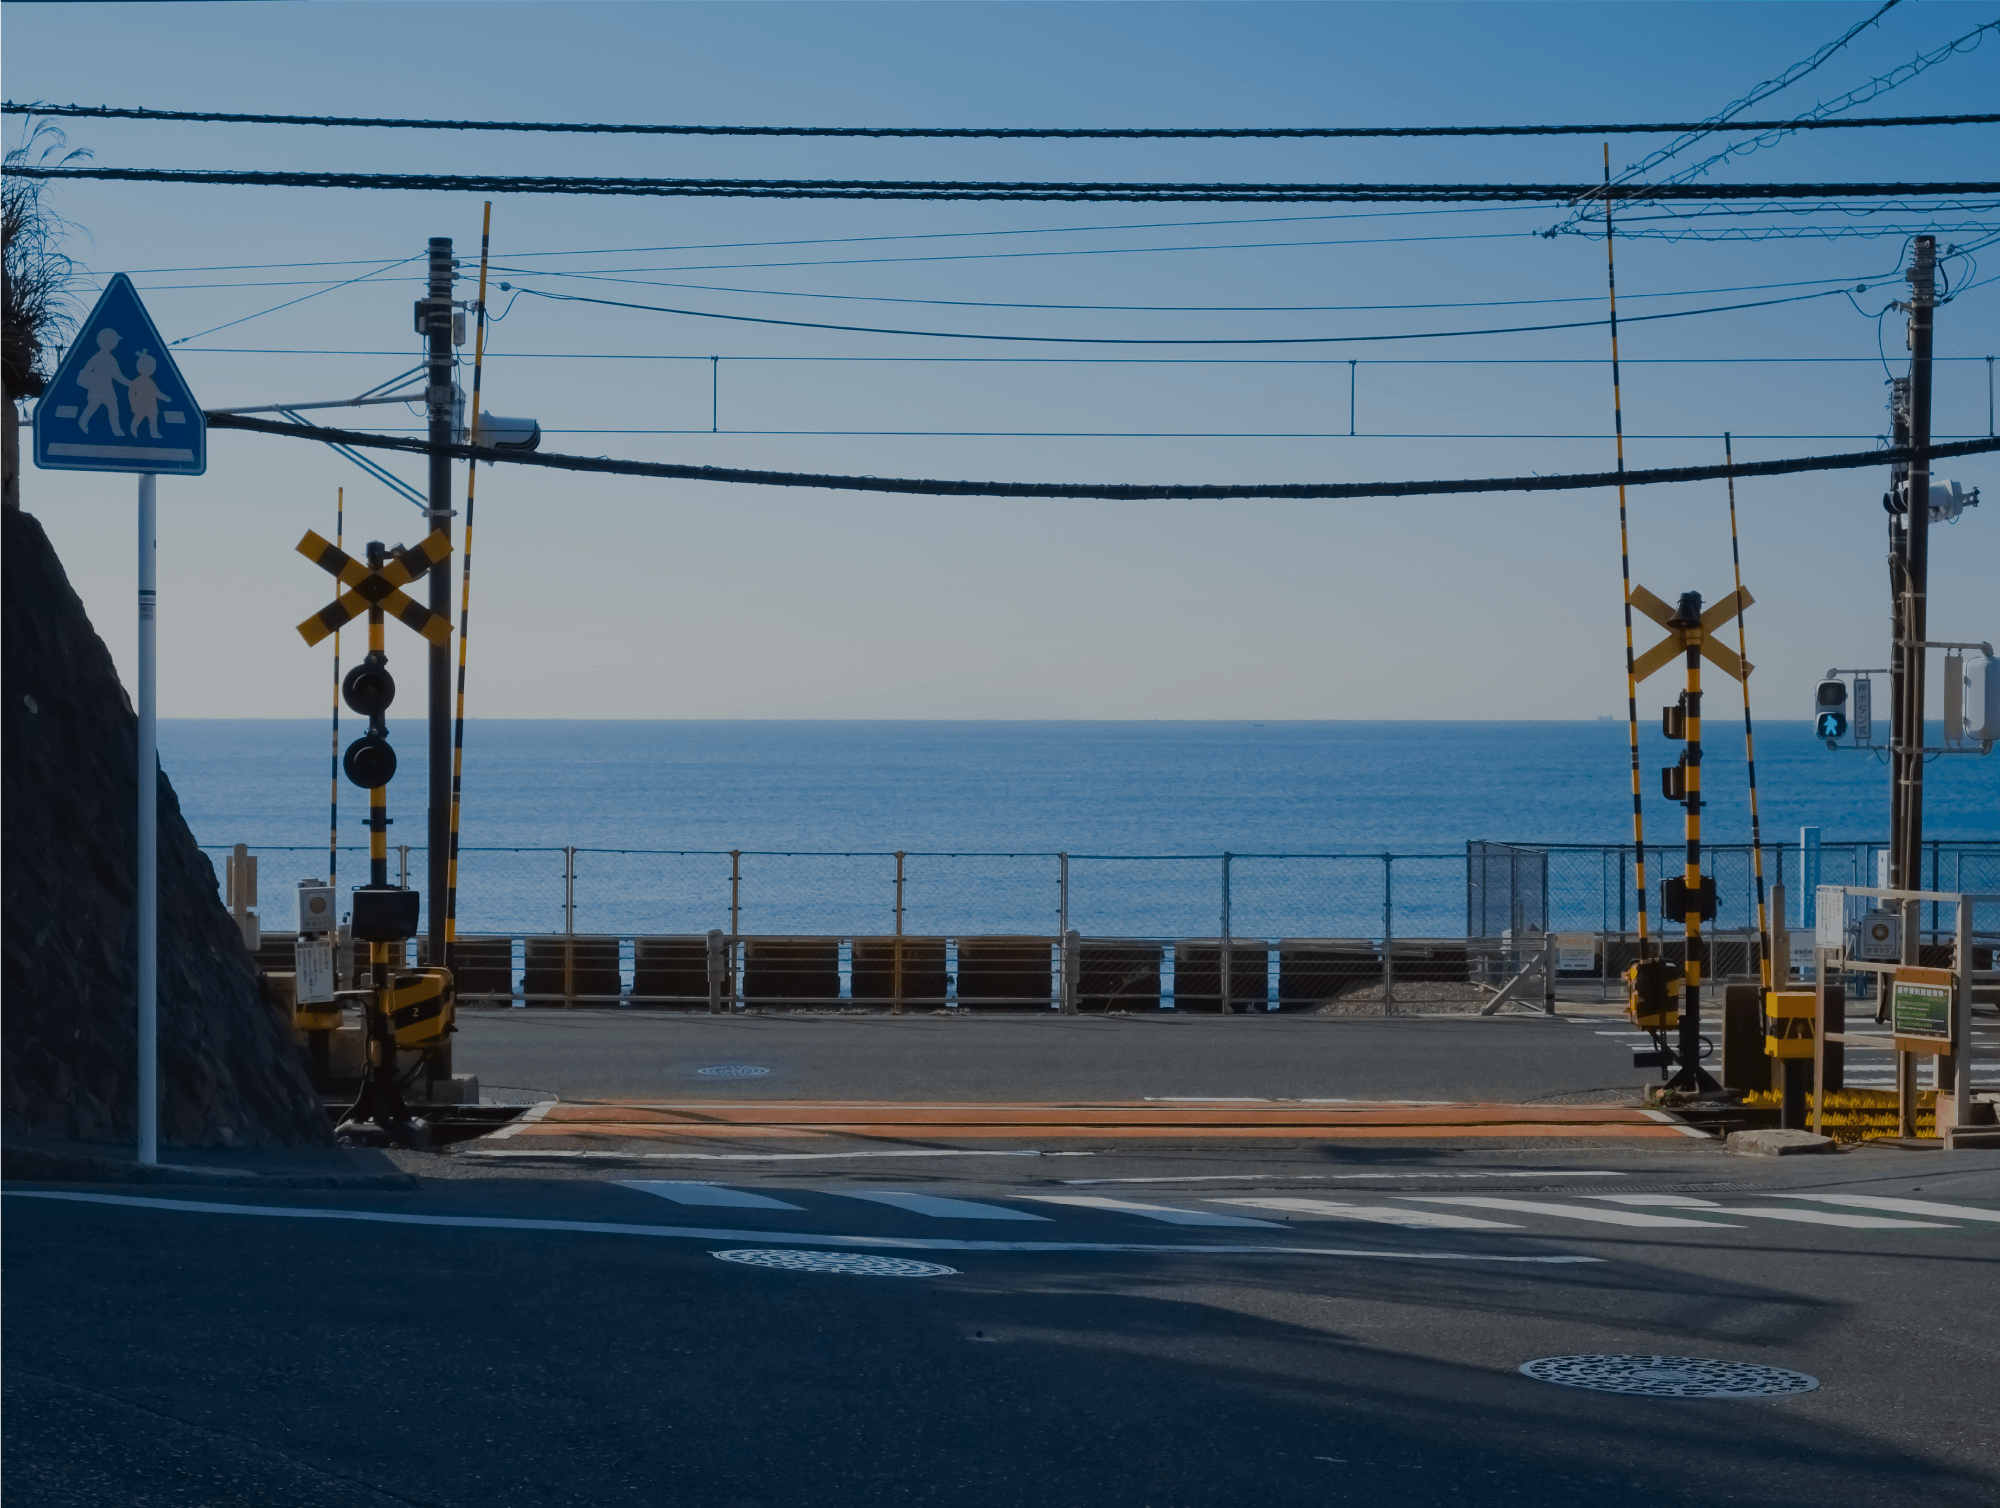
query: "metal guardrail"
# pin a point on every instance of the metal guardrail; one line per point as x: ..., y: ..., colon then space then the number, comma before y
x: 1486, y: 891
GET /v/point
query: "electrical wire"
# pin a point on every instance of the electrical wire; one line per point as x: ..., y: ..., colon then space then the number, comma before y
x: 1097, y: 340
x: 1720, y: 120
x: 1130, y: 492
x: 1096, y: 133
x: 1861, y: 286
x: 1082, y: 192
x: 289, y: 303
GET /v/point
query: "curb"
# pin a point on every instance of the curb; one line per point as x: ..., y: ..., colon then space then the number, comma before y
x: 41, y: 1165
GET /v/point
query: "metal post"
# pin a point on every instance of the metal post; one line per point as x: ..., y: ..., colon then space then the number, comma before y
x: 1223, y: 950
x: 1906, y: 855
x: 1548, y: 973
x: 1352, y: 367
x: 715, y: 971
x: 714, y: 394
x: 439, y: 397
x: 569, y: 926
x: 896, y: 998
x: 735, y: 919
x: 1961, y: 1025
x: 148, y: 887
x: 1068, y: 959
x: 1389, y: 931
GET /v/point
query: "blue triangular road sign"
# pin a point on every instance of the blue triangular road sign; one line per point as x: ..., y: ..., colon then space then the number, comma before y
x: 118, y: 402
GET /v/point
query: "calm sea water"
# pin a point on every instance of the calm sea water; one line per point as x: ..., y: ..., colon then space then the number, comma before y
x: 1083, y: 787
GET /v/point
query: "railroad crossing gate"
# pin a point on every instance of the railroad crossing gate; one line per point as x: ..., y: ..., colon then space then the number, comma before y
x: 381, y: 588
x: 1675, y: 644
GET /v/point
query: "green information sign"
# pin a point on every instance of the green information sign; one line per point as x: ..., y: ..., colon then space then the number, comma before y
x: 1921, y: 1010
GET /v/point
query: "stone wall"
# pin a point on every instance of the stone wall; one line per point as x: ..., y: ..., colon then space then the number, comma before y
x: 229, y: 1071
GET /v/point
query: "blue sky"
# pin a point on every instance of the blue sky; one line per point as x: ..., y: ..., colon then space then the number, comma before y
x: 610, y: 597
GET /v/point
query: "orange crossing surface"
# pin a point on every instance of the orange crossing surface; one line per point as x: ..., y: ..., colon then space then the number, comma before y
x: 1268, y: 1120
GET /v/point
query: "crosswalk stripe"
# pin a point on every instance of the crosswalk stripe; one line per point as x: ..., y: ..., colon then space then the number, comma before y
x: 1901, y: 1206
x: 713, y: 1195
x: 1822, y: 1217
x: 1379, y: 1214
x: 1798, y: 1217
x: 1165, y: 1214
x: 937, y: 1207
x: 1571, y: 1212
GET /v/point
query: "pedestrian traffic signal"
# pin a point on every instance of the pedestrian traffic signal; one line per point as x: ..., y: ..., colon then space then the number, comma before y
x: 1830, y: 711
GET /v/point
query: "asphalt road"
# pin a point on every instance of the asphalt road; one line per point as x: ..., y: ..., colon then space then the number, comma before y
x: 164, y: 1349
x: 628, y: 1054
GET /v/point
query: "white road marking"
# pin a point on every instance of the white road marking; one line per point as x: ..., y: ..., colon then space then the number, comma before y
x: 713, y: 1195
x: 1821, y: 1217
x: 1334, y: 1177
x: 534, y: 1113
x: 1901, y: 1206
x: 1166, y: 1214
x: 935, y: 1206
x: 695, y: 1233
x: 1672, y: 1201
x: 1667, y: 1120
x: 1568, y: 1211
x: 1797, y: 1217
x: 1380, y: 1214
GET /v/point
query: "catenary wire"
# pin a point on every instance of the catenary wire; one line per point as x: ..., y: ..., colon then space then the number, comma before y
x: 1097, y: 340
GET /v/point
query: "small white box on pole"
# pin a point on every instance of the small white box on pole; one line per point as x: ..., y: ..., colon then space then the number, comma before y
x: 312, y: 960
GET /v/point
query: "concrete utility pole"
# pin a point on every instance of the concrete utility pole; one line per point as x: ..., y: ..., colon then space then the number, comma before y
x: 1909, y: 571
x: 435, y: 323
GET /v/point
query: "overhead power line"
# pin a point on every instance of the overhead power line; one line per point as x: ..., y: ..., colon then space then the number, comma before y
x: 1104, y: 340
x: 1189, y: 193
x: 1080, y: 133
x: 1117, y: 492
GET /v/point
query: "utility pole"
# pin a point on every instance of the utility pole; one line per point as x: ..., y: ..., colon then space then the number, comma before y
x: 435, y: 323
x: 1909, y: 571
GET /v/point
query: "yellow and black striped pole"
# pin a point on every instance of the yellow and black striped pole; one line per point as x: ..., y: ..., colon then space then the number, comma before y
x: 1764, y: 920
x: 1625, y: 575
x: 333, y: 800
x: 1691, y: 1076
x: 465, y: 597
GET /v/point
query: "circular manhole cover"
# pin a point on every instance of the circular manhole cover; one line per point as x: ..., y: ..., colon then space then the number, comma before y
x: 1669, y: 1376
x: 732, y: 1071
x: 858, y: 1264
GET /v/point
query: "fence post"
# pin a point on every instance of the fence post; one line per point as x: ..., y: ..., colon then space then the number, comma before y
x: 1548, y: 973
x: 896, y: 995
x: 735, y: 920
x: 1067, y: 957
x: 569, y: 926
x: 1222, y: 951
x: 715, y: 971
x: 1389, y: 934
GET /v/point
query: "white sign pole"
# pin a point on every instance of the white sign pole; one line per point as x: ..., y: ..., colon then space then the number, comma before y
x: 149, y: 836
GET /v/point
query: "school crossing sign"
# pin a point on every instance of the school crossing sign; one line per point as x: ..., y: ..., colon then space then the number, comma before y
x: 118, y: 402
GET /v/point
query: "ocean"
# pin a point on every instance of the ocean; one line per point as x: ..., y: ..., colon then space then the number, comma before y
x: 674, y: 797
x: 1083, y: 787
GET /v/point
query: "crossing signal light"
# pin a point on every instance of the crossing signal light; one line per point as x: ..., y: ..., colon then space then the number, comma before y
x: 1830, y: 711
x: 369, y: 688
x: 370, y: 761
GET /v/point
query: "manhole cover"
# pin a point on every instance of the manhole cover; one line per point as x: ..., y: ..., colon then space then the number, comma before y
x: 1669, y: 1376
x: 732, y: 1071
x: 834, y: 1261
